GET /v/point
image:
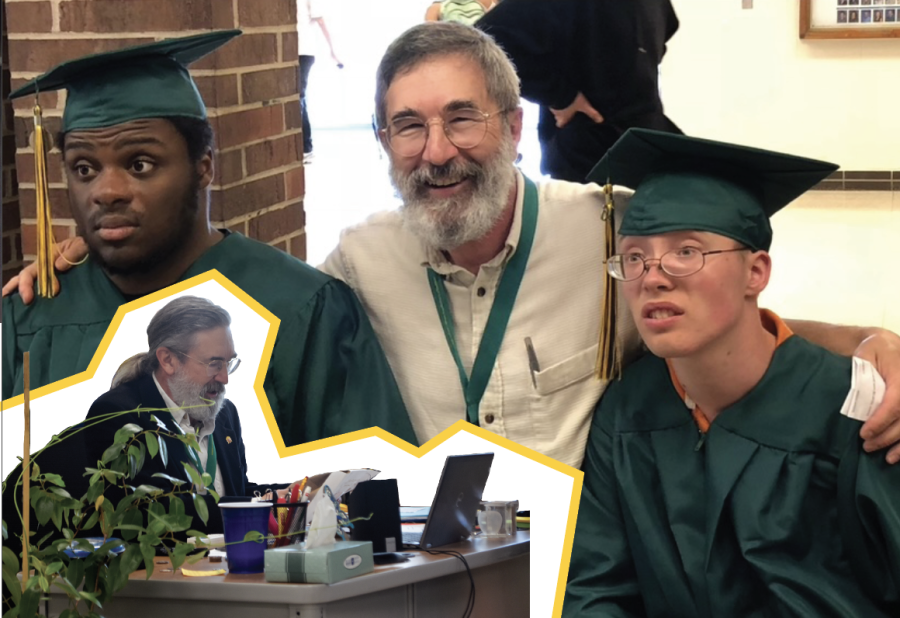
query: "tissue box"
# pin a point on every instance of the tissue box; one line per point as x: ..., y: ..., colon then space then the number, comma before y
x: 320, y: 565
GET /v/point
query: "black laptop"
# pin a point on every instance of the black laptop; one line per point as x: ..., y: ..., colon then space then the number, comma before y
x: 452, y: 515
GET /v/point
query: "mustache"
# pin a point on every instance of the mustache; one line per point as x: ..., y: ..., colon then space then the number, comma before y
x: 453, y: 171
x: 214, y: 387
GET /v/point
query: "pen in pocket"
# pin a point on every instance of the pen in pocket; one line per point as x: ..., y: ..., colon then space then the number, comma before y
x: 533, y: 364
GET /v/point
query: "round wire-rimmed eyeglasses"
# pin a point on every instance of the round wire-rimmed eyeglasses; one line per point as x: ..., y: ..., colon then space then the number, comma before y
x: 682, y: 262
x: 465, y: 128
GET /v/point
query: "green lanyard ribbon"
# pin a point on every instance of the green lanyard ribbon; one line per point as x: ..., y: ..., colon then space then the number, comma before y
x: 210, y: 459
x: 501, y: 309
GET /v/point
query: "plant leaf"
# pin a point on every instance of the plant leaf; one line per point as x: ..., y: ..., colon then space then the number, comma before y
x: 28, y: 604
x: 132, y: 466
x: 55, y: 479
x: 149, y: 554
x: 90, y: 596
x: 171, y: 479
x: 94, y: 491
x: 202, y: 510
x: 92, y: 520
x: 69, y: 589
x: 124, y: 434
x: 152, y: 445
x: 145, y: 490
x: 75, y: 572
x: 163, y: 452
x: 59, y: 491
x: 195, y: 476
x: 179, y: 553
x: 131, y: 518
x: 111, y: 453
x: 10, y: 568
x: 195, y: 558
x: 43, y: 510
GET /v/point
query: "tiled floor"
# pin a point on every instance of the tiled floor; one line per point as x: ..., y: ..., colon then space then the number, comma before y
x: 835, y: 253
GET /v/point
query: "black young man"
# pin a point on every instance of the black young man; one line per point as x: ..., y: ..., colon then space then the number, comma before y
x: 137, y: 151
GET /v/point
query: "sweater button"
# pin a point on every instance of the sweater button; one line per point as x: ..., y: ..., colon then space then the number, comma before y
x: 489, y: 419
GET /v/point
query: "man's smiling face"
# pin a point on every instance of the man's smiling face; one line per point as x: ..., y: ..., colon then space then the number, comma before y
x: 451, y: 195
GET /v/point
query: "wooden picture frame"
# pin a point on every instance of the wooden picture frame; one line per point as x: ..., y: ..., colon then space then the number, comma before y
x: 854, y: 30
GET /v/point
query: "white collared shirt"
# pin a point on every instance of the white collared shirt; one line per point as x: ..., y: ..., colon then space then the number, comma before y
x: 203, y: 436
x: 558, y: 307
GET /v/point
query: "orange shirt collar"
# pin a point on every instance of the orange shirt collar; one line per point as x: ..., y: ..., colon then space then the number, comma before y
x: 772, y: 323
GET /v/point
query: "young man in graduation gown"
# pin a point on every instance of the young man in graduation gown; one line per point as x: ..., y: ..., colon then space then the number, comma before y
x: 721, y: 478
x: 137, y: 152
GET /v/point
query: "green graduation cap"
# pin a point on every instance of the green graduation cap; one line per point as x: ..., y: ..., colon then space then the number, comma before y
x: 146, y: 81
x: 687, y: 183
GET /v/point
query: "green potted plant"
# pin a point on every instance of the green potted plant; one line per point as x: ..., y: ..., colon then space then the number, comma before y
x: 131, y: 529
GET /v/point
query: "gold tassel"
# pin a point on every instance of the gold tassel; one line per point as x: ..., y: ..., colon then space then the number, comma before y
x: 609, y: 359
x: 45, y: 241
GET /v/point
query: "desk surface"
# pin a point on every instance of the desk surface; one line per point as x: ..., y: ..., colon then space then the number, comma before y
x: 479, y: 552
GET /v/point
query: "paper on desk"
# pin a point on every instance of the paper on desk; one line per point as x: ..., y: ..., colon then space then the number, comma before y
x: 193, y: 573
x: 866, y: 391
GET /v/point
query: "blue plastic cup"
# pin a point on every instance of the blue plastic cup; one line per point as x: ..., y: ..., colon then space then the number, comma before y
x: 239, y: 518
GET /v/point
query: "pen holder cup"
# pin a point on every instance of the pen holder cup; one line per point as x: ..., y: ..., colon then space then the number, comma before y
x: 290, y: 519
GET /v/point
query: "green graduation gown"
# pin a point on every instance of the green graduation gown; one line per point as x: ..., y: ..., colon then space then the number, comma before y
x: 778, y: 512
x: 328, y: 374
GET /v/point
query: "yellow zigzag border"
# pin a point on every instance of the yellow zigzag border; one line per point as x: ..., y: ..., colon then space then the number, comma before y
x: 376, y: 432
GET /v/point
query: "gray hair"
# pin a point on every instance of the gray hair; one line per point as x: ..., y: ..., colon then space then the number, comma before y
x: 173, y: 327
x: 428, y: 40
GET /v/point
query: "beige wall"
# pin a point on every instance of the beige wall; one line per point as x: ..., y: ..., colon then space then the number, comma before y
x: 745, y: 76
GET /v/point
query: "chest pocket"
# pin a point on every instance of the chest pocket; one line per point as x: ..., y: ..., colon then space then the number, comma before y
x: 567, y: 372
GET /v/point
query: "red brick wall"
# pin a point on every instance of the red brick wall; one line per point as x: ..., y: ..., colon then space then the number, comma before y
x: 10, y: 239
x: 250, y: 88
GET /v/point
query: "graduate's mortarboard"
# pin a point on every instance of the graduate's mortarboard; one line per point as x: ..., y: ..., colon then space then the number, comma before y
x: 103, y: 90
x: 686, y: 183
x: 145, y: 81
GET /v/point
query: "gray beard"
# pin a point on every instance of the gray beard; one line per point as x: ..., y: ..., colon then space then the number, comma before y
x: 190, y: 396
x: 446, y: 224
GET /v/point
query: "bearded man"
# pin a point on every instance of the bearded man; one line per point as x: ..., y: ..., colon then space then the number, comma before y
x: 190, y: 356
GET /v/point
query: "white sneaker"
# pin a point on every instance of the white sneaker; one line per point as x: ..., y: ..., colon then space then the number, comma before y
x: 308, y: 157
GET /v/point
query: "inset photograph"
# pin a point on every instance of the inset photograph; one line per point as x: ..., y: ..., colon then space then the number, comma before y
x: 865, y: 16
x: 890, y: 15
x: 853, y: 16
x: 878, y: 16
x: 842, y: 16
